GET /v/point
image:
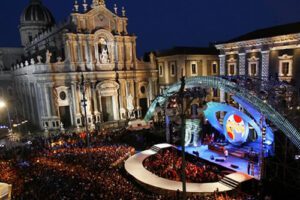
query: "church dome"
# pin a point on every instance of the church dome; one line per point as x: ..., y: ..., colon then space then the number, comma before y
x: 35, y: 12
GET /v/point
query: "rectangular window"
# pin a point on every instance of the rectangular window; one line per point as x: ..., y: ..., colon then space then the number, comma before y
x: 231, y: 69
x: 194, y: 69
x: 253, y: 69
x: 215, y: 91
x: 160, y: 70
x: 173, y: 70
x: 285, y: 68
x: 214, y: 68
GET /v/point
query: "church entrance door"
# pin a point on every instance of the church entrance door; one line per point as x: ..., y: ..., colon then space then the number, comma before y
x: 65, y: 116
x: 107, y: 108
x: 144, y: 106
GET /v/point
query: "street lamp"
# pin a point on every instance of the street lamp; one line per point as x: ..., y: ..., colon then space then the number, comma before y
x: 183, y: 174
x: 84, y: 101
x: 3, y: 105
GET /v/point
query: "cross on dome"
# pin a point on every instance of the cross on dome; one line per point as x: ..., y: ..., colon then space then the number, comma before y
x: 98, y: 3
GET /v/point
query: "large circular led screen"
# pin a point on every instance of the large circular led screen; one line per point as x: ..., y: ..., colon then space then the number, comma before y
x: 236, y: 130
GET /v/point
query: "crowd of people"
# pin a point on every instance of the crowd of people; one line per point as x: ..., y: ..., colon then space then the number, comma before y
x: 168, y: 164
x: 65, y: 168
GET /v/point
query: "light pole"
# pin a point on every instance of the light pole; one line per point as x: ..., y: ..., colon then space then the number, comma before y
x: 3, y: 105
x: 84, y: 100
x: 183, y: 166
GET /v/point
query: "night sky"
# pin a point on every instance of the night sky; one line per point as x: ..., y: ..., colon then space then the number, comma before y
x: 161, y: 24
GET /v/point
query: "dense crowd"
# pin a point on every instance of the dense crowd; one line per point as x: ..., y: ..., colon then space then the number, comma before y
x: 64, y: 168
x: 168, y: 163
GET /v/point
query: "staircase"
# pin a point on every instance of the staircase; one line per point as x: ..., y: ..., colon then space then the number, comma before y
x: 155, y: 148
x: 229, y: 182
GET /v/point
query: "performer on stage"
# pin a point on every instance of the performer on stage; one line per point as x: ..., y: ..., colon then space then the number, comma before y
x: 225, y: 153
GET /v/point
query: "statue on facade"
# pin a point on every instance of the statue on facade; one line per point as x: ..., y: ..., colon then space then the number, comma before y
x: 62, y: 129
x: 130, y: 106
x: 48, y: 56
x: 103, y: 51
x: 32, y: 62
x: 104, y: 57
x: 39, y: 59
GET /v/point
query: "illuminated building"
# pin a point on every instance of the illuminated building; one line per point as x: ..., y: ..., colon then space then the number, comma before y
x: 95, y: 42
x: 271, y: 53
x: 174, y: 63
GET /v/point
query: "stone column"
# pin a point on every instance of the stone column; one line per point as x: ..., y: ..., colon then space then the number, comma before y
x: 74, y: 52
x: 116, y: 49
x: 204, y: 67
x: 88, y: 53
x: 52, y: 98
x: 87, y: 50
x: 150, y: 90
x: 116, y: 108
x: 222, y: 65
x: 97, y: 53
x: 95, y: 101
x: 46, y: 100
x: 67, y: 51
x: 222, y: 100
x: 265, y: 65
x: 31, y: 110
x: 242, y: 64
x: 75, y: 102
x: 79, y: 53
x: 40, y: 109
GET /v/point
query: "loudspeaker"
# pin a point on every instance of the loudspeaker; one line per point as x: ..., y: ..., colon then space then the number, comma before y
x: 196, y: 153
x: 234, y: 166
x: 220, y: 159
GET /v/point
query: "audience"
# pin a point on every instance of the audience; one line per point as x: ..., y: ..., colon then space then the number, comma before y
x: 64, y: 168
x: 167, y: 164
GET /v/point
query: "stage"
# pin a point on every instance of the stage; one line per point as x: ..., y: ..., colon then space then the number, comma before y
x: 134, y: 166
x: 205, y: 153
x: 5, y: 191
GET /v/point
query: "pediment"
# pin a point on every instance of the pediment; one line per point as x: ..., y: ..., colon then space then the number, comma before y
x: 253, y: 59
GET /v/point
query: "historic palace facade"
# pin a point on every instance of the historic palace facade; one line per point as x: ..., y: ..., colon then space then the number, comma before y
x: 174, y: 63
x: 93, y: 43
x: 271, y: 53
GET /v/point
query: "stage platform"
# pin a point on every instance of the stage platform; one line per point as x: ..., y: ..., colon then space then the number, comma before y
x: 134, y: 166
x: 205, y: 153
x: 5, y: 191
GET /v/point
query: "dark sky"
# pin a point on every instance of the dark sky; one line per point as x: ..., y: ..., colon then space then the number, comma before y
x: 161, y: 24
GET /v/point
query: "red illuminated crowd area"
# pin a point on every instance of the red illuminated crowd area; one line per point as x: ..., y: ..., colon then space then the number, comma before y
x: 168, y: 164
x: 64, y: 168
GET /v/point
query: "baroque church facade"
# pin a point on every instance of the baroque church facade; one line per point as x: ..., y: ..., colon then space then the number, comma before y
x: 91, y: 51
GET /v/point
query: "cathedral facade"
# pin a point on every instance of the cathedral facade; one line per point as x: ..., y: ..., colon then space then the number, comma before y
x: 92, y: 52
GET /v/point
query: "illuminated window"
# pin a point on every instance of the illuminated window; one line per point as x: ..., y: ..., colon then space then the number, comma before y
x: 231, y: 66
x: 194, y: 69
x: 215, y: 91
x: 173, y: 70
x: 161, y: 70
x: 231, y: 69
x: 215, y: 68
x: 253, y: 69
x: 285, y: 68
x: 285, y: 65
x: 253, y: 64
